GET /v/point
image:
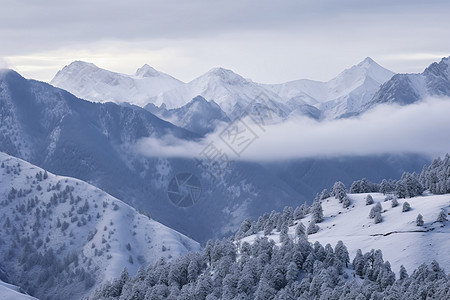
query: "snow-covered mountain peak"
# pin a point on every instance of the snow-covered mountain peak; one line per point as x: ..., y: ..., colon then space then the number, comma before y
x: 224, y: 75
x: 440, y: 69
x: 87, y: 81
x: 367, y: 62
x: 367, y: 68
x: 79, y: 66
x: 147, y: 71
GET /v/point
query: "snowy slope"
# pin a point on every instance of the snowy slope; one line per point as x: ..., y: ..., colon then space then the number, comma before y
x: 12, y: 292
x: 87, y: 81
x: 83, y: 234
x: 341, y: 96
x: 401, y: 241
x: 405, y: 89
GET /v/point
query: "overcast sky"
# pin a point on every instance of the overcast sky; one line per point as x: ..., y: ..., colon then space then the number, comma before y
x: 267, y: 41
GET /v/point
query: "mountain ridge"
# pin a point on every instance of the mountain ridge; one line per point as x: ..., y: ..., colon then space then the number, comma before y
x: 88, y: 81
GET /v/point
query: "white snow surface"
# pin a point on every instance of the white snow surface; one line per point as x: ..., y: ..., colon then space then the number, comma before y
x: 149, y: 240
x: 401, y: 241
x: 12, y: 292
x: 87, y: 81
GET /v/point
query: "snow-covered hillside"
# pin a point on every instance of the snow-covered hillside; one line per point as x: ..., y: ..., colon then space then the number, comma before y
x: 87, y: 81
x: 343, y: 95
x: 400, y: 239
x: 61, y: 236
x: 12, y: 292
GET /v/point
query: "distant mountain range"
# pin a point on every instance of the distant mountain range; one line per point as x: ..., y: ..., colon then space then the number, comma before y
x: 351, y: 93
x: 94, y: 142
x: 343, y: 96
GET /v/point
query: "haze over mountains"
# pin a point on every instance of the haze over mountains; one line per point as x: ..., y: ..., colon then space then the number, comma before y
x: 102, y: 144
x: 55, y: 130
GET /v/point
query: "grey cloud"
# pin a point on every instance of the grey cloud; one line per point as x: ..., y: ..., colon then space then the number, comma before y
x: 268, y: 41
x: 419, y: 128
x: 51, y: 23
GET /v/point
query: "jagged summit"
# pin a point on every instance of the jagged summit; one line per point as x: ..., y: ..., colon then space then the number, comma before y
x: 87, y: 81
x: 147, y: 71
x: 405, y: 89
x: 439, y: 68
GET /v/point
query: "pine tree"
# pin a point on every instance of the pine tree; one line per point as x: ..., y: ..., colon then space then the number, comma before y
x: 354, y: 188
x: 288, y: 215
x: 384, y: 187
x: 346, y: 202
x: 300, y: 230
x: 364, y: 186
x: 419, y: 220
x: 338, y: 190
x: 342, y: 253
x: 268, y: 227
x: 394, y: 202
x: 442, y: 217
x: 369, y: 200
x: 317, y: 212
x: 403, y: 273
x: 312, y: 228
x: 292, y: 272
x: 244, y: 228
x: 324, y: 195
x: 378, y: 218
x: 375, y: 209
x: 298, y: 213
x: 406, y: 207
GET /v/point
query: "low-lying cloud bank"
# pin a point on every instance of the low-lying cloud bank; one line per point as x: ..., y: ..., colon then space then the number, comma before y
x: 418, y: 128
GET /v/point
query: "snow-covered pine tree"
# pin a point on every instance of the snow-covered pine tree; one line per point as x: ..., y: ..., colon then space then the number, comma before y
x: 419, y: 220
x: 346, y: 202
x: 442, y: 216
x: 338, y: 191
x: 300, y: 230
x: 312, y: 228
x: 298, y: 213
x: 324, y: 195
x: 394, y: 202
x: 316, y: 212
x: 406, y: 207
